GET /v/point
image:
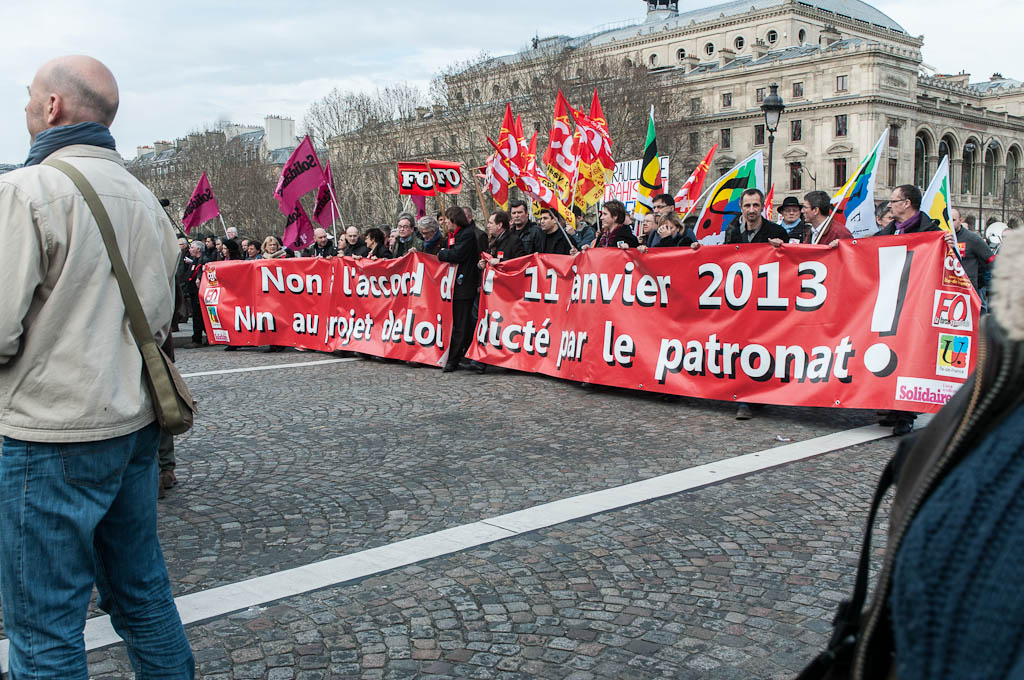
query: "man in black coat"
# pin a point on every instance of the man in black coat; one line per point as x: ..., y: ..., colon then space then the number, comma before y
x: 464, y: 251
x: 907, y: 217
x: 554, y: 239
x: 523, y: 227
x: 322, y: 246
x: 791, y: 219
x: 504, y: 244
x: 750, y: 226
x: 354, y: 243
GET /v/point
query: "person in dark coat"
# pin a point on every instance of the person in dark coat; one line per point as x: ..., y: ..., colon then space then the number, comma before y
x: 524, y: 227
x: 193, y: 277
x: 614, y: 232
x: 792, y: 220
x: 375, y: 248
x: 750, y: 226
x: 504, y: 244
x: 322, y: 246
x: 406, y: 239
x: 430, y: 232
x: 671, y: 234
x: 463, y: 250
x: 816, y: 209
x: 907, y: 217
x: 354, y: 246
x: 554, y: 241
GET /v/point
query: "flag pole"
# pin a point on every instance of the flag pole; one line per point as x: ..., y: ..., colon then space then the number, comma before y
x: 479, y: 193
x: 224, y: 226
x: 334, y: 200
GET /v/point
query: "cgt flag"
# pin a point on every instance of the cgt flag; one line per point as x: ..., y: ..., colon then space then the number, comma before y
x: 769, y: 199
x: 688, y: 194
x: 298, y: 230
x: 324, y: 211
x: 300, y: 174
x: 201, y: 206
x: 560, y: 157
x: 723, y: 201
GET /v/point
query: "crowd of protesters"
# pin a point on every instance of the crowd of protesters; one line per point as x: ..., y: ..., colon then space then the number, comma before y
x: 454, y: 236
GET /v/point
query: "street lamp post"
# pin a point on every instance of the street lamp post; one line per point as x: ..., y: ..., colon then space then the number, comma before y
x: 981, y: 184
x: 773, y: 108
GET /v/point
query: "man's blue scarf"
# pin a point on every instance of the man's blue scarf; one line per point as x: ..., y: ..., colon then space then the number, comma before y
x: 50, y: 140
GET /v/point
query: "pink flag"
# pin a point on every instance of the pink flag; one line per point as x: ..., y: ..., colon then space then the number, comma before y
x: 300, y: 174
x: 324, y: 211
x: 298, y: 231
x: 201, y: 207
x: 421, y: 205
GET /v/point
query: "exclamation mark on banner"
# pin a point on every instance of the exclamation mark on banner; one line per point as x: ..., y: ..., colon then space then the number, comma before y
x: 893, y: 278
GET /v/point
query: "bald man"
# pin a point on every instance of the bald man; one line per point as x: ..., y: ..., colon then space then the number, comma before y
x: 322, y: 246
x: 78, y: 470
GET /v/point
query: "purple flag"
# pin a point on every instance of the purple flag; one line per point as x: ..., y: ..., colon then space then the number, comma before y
x: 300, y: 174
x: 201, y: 207
x: 298, y: 231
x: 324, y: 211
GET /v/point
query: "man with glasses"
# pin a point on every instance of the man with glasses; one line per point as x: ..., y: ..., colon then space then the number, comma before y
x: 406, y: 240
x: 907, y: 217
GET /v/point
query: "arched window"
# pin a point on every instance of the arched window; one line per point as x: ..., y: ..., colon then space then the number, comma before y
x: 709, y: 48
x: 1012, y: 169
x: 945, y: 148
x: 773, y: 36
x: 991, y: 154
x: 921, y: 160
x: 970, y: 159
x: 739, y: 42
x: 680, y: 54
x: 802, y: 36
x: 652, y: 60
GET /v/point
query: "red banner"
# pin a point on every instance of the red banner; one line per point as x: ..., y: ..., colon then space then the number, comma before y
x: 395, y: 308
x: 884, y: 323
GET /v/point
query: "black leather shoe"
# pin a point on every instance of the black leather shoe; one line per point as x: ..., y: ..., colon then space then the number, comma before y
x: 449, y: 368
x: 902, y: 427
x: 478, y: 367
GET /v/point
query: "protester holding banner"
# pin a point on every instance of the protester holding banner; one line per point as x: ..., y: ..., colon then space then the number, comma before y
x: 252, y: 251
x: 790, y: 219
x: 555, y: 241
x: 463, y: 250
x: 524, y: 227
x: 614, y: 231
x: 354, y: 246
x: 816, y: 209
x: 406, y: 240
x: 193, y: 277
x: 750, y: 225
x: 430, y: 232
x: 375, y: 248
x: 975, y: 255
x: 503, y: 244
x: 322, y: 246
x: 272, y: 249
x: 907, y: 218
x: 671, y: 234
x: 584, y: 234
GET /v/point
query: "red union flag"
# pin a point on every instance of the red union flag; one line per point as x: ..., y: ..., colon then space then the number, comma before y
x: 324, y: 211
x: 688, y: 194
x: 447, y: 176
x: 201, y: 206
x: 298, y: 231
x: 300, y: 174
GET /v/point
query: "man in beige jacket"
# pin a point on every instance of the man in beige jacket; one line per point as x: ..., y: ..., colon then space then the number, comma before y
x: 78, y: 472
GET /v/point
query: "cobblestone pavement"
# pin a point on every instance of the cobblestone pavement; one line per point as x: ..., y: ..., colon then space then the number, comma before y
x: 297, y: 465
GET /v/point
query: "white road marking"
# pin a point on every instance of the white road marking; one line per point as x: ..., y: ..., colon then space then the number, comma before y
x: 271, y: 367
x: 214, y: 602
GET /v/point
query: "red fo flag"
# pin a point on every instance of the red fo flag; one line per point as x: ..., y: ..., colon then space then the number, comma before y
x: 769, y: 198
x: 324, y: 211
x: 298, y: 231
x: 300, y: 174
x: 688, y: 194
x: 201, y: 207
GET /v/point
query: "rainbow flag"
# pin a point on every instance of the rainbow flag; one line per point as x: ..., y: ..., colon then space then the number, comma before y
x: 854, y: 205
x: 935, y: 202
x: 723, y: 202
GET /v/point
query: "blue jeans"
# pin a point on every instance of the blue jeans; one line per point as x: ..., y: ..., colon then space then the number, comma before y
x: 72, y: 515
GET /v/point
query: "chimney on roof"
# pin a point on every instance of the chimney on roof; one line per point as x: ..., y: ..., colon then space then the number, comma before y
x: 996, y: 77
x: 829, y: 35
x: 658, y: 10
x: 725, y: 55
x: 691, y: 63
x: 758, y: 49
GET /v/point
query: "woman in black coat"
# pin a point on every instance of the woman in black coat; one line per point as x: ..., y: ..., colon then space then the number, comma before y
x: 375, y: 239
x: 463, y: 250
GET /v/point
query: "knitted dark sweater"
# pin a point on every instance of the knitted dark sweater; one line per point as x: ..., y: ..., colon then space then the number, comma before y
x: 958, y: 586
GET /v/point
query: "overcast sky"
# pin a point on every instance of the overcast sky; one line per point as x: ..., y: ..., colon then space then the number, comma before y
x: 183, y: 65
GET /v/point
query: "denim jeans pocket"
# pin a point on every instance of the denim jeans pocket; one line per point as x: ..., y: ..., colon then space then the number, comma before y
x: 94, y: 464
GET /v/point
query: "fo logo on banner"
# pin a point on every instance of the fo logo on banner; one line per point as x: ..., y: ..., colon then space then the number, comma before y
x: 953, y: 355
x: 212, y: 296
x: 952, y: 310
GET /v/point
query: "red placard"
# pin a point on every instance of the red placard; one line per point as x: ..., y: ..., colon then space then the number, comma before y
x: 395, y: 308
x: 876, y: 323
x: 426, y: 179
